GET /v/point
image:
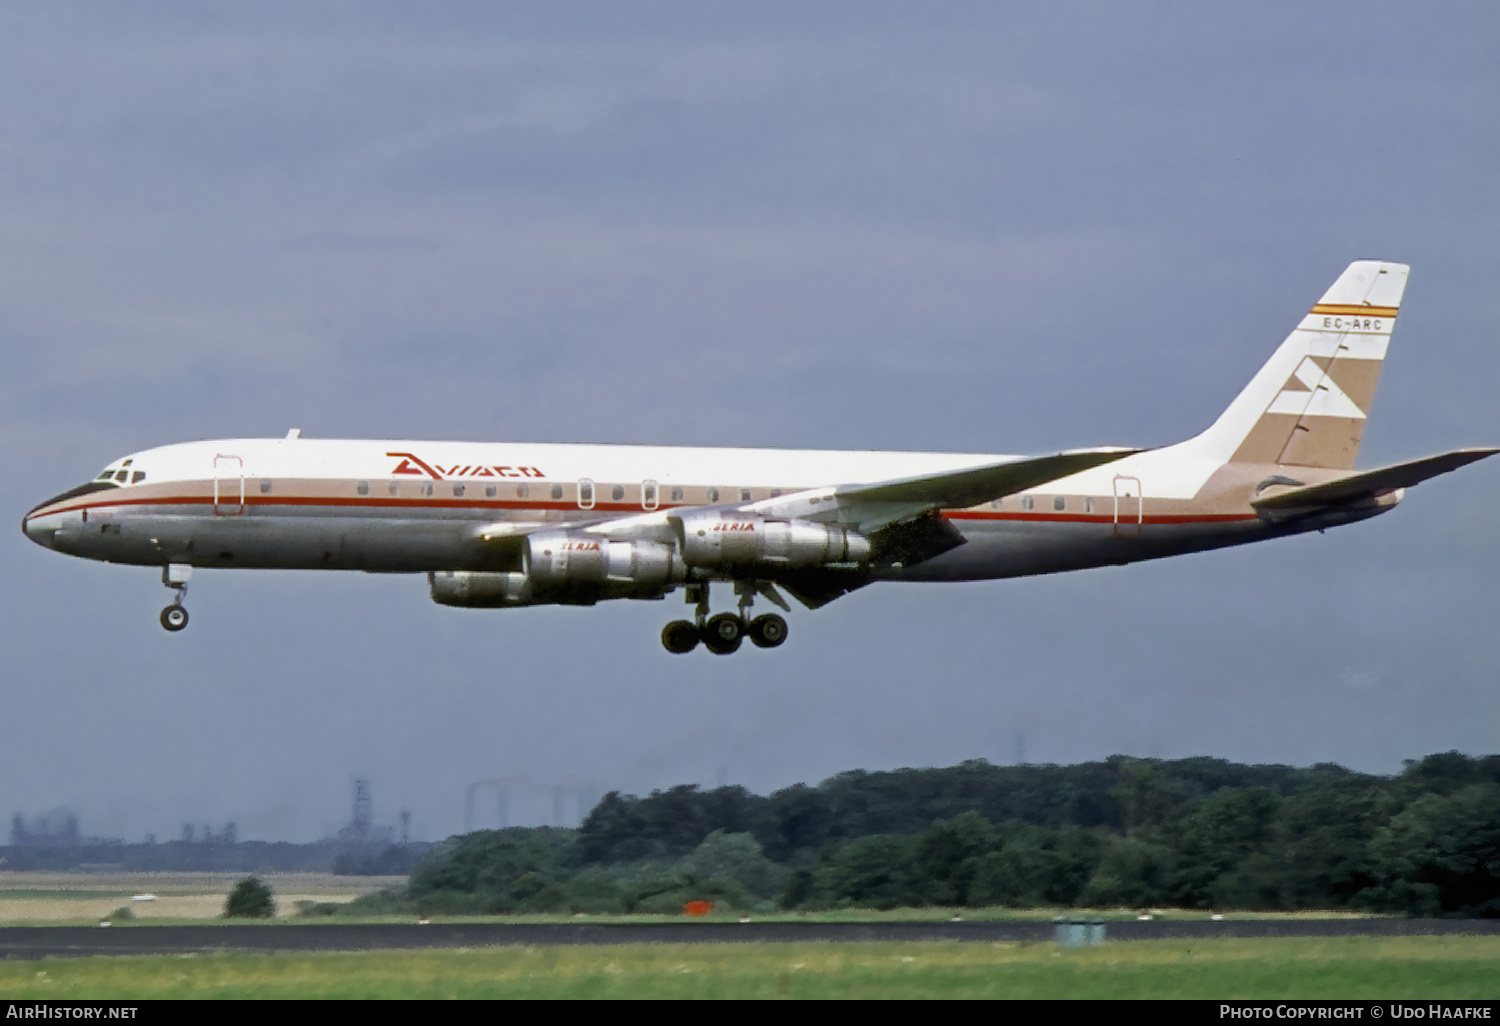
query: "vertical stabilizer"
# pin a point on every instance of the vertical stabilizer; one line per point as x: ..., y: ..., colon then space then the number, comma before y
x: 1307, y: 406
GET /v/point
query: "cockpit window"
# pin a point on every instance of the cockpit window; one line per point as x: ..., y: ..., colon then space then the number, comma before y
x: 137, y: 477
x: 108, y: 475
x: 122, y: 476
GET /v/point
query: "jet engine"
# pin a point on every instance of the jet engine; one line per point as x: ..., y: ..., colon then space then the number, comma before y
x: 567, y: 568
x: 578, y: 561
x: 476, y: 590
x: 716, y: 542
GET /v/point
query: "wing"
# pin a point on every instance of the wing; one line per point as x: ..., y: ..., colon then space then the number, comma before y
x: 1369, y: 484
x: 871, y: 507
x: 867, y: 507
x: 899, y: 517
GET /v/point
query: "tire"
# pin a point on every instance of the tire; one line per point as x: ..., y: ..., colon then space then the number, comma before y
x: 768, y: 631
x: 174, y: 618
x: 679, y: 637
x: 723, y: 634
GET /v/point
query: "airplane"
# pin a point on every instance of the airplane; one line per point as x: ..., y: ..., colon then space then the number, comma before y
x: 499, y: 525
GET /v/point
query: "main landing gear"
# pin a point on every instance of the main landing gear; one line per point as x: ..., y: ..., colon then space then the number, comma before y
x: 176, y: 576
x: 724, y: 633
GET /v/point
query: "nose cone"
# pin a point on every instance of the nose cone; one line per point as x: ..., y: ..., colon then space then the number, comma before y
x: 42, y: 523
x: 40, y: 529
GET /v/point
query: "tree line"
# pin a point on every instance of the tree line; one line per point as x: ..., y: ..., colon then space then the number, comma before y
x: 1188, y: 833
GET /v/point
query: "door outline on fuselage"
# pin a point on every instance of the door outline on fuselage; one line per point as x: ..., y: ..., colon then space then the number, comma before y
x: 228, y: 507
x: 1123, y: 490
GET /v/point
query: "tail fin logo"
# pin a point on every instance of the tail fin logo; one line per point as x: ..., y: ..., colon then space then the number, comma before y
x: 1319, y: 396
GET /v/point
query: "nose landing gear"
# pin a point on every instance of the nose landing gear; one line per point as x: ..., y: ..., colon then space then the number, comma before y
x: 176, y: 576
x: 724, y: 633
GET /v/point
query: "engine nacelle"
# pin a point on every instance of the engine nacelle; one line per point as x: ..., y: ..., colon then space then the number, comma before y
x: 583, y: 567
x: 478, y: 590
x: 718, y: 542
x: 567, y: 568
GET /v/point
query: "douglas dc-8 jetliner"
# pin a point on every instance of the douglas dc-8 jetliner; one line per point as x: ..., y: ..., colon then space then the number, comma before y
x: 494, y: 525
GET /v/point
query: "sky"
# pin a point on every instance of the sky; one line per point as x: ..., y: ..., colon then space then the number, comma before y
x: 952, y: 226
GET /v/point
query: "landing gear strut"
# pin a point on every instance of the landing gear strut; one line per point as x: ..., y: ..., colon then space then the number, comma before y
x: 176, y: 576
x: 724, y: 633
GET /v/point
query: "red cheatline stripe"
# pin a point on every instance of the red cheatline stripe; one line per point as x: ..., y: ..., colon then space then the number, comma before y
x: 500, y: 504
x: 1353, y: 310
x: 207, y: 500
x: 1096, y: 518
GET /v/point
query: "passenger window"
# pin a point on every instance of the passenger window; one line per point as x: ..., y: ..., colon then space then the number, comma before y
x: 775, y: 493
x: 744, y: 495
x: 585, y: 493
x: 265, y: 486
x: 996, y: 503
x: 458, y: 491
x: 648, y: 494
x: 522, y: 491
x: 557, y: 491
x: 1027, y: 502
x: 363, y: 488
x: 1059, y: 503
x: 1088, y: 505
x: 395, y: 487
x: 713, y: 495
x: 490, y: 491
x: 617, y: 492
x: 676, y: 494
x: 427, y: 488
x: 138, y: 477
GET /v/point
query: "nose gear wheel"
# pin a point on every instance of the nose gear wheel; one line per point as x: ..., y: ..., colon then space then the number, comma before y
x: 175, y: 576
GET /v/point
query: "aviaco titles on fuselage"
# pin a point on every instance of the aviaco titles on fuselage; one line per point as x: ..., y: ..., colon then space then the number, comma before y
x: 495, y: 525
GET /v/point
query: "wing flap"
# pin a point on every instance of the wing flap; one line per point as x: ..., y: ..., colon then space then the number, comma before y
x: 816, y: 589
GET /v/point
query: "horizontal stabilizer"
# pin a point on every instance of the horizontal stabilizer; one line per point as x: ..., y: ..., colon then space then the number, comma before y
x: 1370, y: 483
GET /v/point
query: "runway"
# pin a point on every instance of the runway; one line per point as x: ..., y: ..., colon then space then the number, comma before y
x: 32, y: 942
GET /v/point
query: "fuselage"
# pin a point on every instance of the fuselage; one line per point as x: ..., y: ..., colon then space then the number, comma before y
x: 496, y: 524
x: 414, y: 506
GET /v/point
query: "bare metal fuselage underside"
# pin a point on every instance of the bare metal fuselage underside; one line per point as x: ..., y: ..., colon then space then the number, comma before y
x: 996, y: 544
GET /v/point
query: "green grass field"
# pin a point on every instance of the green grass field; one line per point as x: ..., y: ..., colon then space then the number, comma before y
x: 1360, y: 967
